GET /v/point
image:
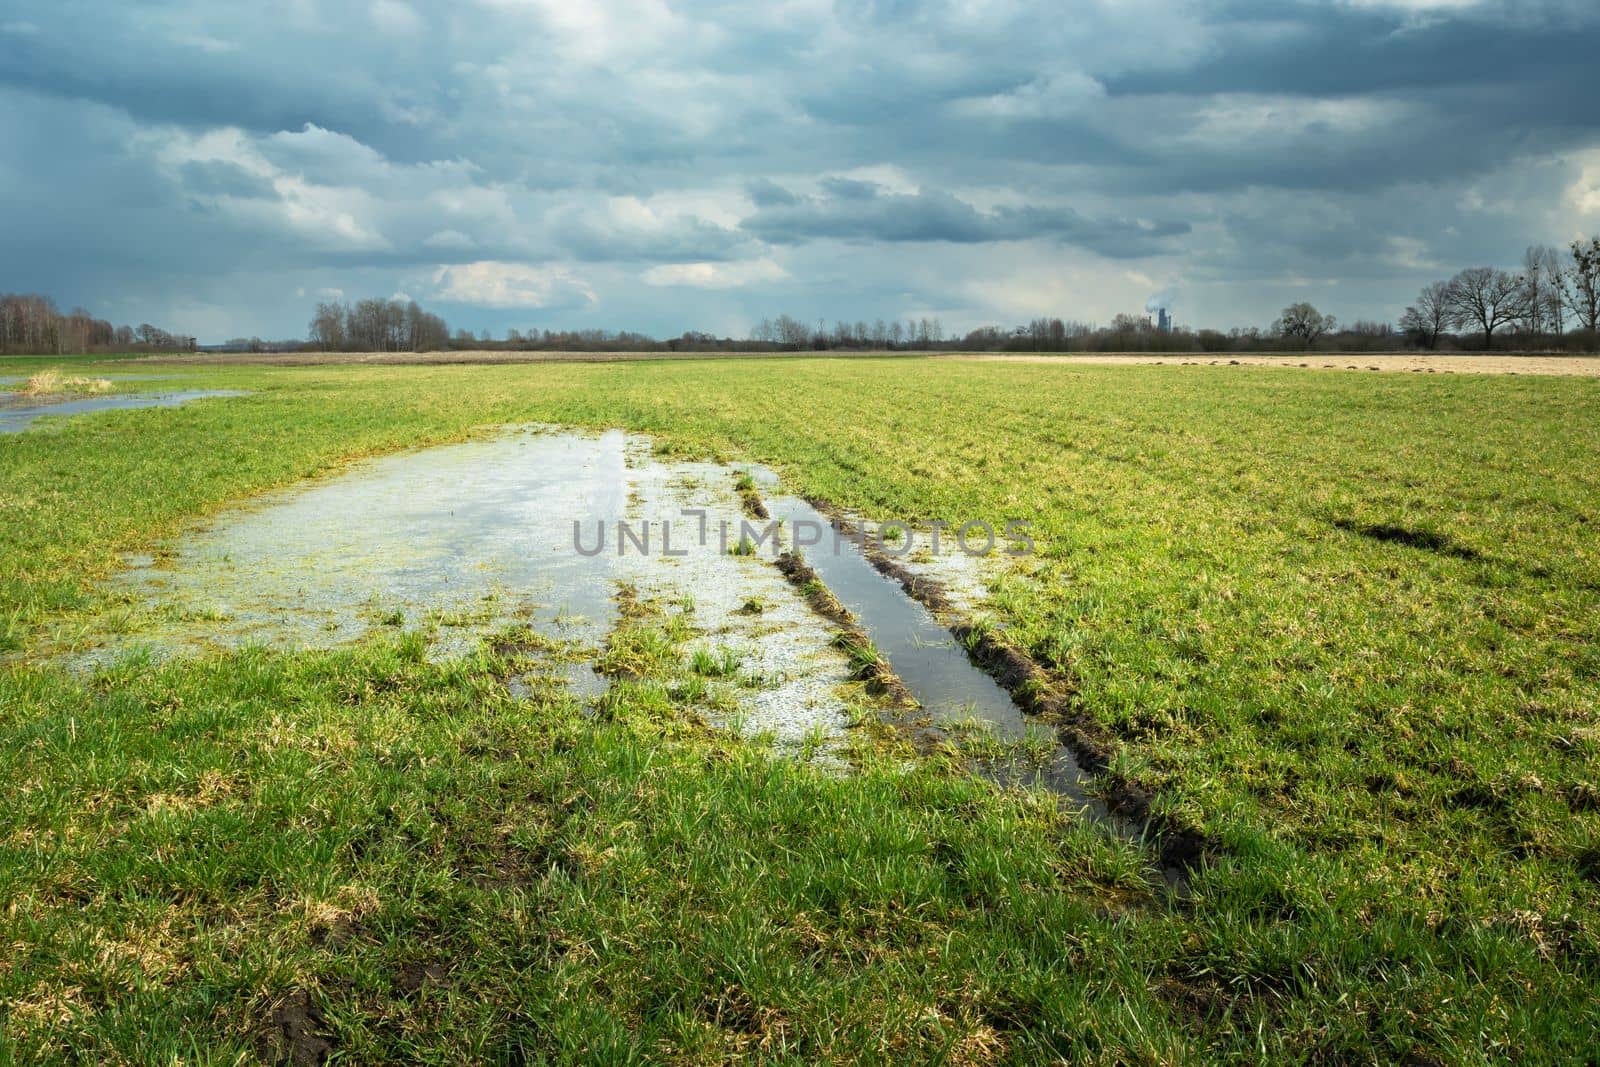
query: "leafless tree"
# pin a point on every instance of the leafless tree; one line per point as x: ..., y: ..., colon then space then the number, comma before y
x: 792, y: 333
x: 1486, y: 299
x: 1541, y: 272
x: 1303, y: 323
x: 327, y: 326
x: 1430, y: 316
x: 1555, y: 311
x: 1580, y: 284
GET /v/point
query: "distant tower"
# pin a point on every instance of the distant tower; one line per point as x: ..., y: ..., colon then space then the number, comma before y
x: 1163, y: 321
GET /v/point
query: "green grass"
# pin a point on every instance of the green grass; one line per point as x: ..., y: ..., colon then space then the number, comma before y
x: 715, y: 663
x: 1347, y: 626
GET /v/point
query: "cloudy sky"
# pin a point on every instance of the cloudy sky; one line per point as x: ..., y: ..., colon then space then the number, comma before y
x: 670, y: 164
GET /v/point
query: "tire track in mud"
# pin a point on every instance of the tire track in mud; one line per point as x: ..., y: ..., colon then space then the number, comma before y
x: 1044, y: 696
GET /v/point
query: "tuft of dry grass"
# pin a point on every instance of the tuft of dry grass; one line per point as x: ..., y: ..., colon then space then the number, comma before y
x: 52, y: 382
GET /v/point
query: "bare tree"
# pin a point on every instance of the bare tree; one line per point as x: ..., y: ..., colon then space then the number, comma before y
x: 1303, y: 323
x: 1541, y: 269
x: 1534, y: 284
x: 1555, y: 311
x: 327, y: 326
x: 1430, y: 316
x: 1580, y: 284
x: 792, y: 333
x: 1487, y: 298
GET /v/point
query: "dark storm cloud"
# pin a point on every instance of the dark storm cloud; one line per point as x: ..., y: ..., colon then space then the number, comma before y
x: 865, y: 211
x: 1330, y: 50
x: 673, y: 159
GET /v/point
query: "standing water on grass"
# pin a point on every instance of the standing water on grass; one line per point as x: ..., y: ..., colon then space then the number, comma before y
x: 454, y: 536
x: 462, y: 540
x: 922, y: 653
x: 16, y: 417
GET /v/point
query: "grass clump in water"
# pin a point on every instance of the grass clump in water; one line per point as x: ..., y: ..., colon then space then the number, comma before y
x: 53, y: 382
x: 715, y: 663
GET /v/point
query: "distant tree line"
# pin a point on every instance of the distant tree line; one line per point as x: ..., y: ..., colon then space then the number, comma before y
x: 377, y: 325
x: 30, y: 324
x: 1551, y: 303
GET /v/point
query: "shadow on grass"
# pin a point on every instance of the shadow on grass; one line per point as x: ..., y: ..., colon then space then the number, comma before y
x: 1427, y: 540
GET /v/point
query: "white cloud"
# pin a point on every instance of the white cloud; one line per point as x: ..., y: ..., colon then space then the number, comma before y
x: 511, y: 285
x: 453, y: 240
x: 733, y: 275
x: 1052, y: 96
x: 396, y: 16
x: 603, y: 31
x: 1409, y: 253
x: 334, y: 217
x: 211, y: 46
x: 1258, y: 118
x: 1584, y: 194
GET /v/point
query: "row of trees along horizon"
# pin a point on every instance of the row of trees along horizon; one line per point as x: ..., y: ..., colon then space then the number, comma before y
x: 1551, y: 304
x: 30, y: 323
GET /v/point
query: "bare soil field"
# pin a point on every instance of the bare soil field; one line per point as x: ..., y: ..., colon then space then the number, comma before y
x: 1499, y: 363
x: 1458, y: 363
x: 433, y: 359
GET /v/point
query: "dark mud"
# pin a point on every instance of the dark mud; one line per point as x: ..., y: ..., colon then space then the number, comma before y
x: 750, y: 496
x: 298, y: 1033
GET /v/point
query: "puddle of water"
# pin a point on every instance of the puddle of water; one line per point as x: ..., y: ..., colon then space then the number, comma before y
x: 923, y: 653
x: 14, y: 418
x: 580, y: 680
x: 928, y: 659
x: 789, y: 674
x: 464, y: 539
x: 18, y: 379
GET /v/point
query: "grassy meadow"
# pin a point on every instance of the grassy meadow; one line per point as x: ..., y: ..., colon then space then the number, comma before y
x: 1346, y: 625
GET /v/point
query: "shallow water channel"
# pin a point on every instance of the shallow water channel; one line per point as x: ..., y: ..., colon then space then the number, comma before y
x: 17, y: 414
x: 527, y: 526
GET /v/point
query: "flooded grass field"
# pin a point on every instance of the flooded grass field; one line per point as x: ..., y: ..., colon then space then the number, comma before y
x: 18, y: 415
x: 321, y: 739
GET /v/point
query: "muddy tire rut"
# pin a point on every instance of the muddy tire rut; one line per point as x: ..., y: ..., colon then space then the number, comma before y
x: 1043, y: 695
